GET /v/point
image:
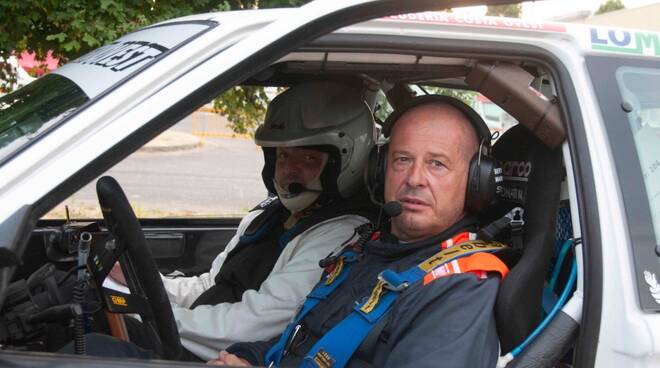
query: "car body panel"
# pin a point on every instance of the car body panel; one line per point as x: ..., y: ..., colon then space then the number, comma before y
x: 124, y: 108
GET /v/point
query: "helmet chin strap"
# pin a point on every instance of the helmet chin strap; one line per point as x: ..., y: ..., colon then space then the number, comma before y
x: 301, y: 200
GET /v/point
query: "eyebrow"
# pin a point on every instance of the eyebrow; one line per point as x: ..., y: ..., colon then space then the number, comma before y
x: 429, y: 154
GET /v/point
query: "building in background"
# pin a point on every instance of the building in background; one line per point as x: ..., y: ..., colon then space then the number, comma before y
x: 643, y: 17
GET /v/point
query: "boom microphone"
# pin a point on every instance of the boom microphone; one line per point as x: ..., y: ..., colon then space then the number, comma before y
x: 392, y: 209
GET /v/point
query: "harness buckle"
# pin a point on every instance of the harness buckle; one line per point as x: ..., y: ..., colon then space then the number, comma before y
x: 516, y: 217
x: 392, y: 281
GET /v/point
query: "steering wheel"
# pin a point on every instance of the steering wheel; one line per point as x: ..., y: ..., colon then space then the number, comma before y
x: 138, y: 264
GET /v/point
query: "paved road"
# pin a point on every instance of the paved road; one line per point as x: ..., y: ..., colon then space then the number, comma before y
x: 221, y: 177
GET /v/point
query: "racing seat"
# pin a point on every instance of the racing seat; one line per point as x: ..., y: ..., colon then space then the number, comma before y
x: 532, y: 176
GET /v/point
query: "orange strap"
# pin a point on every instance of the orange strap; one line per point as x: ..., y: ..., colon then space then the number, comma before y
x: 458, y: 239
x: 478, y: 264
x: 117, y: 326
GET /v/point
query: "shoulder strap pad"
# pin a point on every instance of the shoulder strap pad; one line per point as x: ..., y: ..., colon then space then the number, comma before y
x: 270, y: 200
x: 272, y: 211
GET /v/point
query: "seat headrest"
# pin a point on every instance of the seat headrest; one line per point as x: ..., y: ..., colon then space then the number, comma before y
x: 521, y: 155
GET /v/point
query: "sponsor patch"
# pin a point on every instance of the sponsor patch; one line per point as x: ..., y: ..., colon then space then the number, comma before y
x: 323, y: 359
x: 118, y: 300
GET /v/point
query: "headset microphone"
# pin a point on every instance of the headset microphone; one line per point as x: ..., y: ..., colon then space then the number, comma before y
x: 392, y: 209
x: 297, y: 188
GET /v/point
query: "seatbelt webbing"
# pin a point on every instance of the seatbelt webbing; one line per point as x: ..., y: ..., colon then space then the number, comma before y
x: 324, y: 288
x: 337, y: 346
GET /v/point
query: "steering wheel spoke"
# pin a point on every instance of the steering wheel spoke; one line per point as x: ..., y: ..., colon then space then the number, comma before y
x: 142, y: 274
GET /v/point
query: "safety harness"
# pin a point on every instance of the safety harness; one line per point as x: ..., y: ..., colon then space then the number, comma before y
x: 262, y: 242
x: 459, y: 254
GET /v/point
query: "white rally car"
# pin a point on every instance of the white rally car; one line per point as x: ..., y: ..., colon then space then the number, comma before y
x: 583, y: 161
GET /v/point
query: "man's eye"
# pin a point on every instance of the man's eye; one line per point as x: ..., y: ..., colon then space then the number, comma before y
x: 436, y: 163
x: 402, y: 159
x: 310, y: 158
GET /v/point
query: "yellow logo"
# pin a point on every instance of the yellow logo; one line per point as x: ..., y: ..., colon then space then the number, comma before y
x: 118, y: 300
x: 376, y: 293
x: 335, y: 272
x: 323, y: 359
x: 458, y: 251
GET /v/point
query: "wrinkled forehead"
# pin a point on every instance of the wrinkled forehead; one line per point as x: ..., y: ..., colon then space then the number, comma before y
x: 434, y: 121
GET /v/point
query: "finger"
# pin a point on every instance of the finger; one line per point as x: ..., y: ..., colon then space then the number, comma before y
x: 231, y: 359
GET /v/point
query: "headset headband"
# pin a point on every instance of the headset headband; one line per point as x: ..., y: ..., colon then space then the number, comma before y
x: 478, y: 124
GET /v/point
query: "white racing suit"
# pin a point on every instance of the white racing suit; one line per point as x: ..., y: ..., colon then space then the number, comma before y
x: 261, y: 314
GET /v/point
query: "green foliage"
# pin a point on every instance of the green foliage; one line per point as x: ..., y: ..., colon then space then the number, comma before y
x: 71, y: 28
x: 610, y: 5
x: 383, y: 108
x: 463, y: 95
x: 510, y: 11
x: 244, y: 106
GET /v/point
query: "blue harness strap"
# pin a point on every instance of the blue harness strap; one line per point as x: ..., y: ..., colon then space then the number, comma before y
x: 319, y: 293
x: 337, y: 346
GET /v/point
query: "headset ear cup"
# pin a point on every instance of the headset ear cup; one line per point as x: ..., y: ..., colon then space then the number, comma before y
x: 472, y: 190
x: 482, y: 185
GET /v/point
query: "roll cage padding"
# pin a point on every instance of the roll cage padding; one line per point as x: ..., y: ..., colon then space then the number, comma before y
x: 509, y: 86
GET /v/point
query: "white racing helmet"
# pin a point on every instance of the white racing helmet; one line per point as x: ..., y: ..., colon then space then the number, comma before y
x: 327, y: 116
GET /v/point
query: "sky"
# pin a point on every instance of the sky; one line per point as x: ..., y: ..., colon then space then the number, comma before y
x: 540, y: 10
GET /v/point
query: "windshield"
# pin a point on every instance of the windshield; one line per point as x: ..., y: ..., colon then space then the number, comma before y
x: 35, y: 107
x: 640, y: 88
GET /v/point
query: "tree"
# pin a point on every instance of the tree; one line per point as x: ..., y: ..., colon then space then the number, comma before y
x: 510, y: 11
x: 610, y: 5
x: 463, y: 95
x: 244, y: 106
x: 71, y: 28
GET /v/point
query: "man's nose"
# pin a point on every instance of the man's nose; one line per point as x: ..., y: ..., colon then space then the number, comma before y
x: 292, y: 168
x: 416, y: 176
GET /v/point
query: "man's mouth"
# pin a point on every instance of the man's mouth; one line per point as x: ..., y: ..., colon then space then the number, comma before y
x: 413, y: 203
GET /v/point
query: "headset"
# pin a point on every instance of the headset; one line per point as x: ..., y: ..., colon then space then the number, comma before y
x: 484, y: 174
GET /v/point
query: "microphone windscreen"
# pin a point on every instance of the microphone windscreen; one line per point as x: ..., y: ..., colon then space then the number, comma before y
x: 392, y: 209
x: 296, y: 188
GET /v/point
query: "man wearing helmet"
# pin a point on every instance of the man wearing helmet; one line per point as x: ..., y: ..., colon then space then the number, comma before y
x: 315, y: 138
